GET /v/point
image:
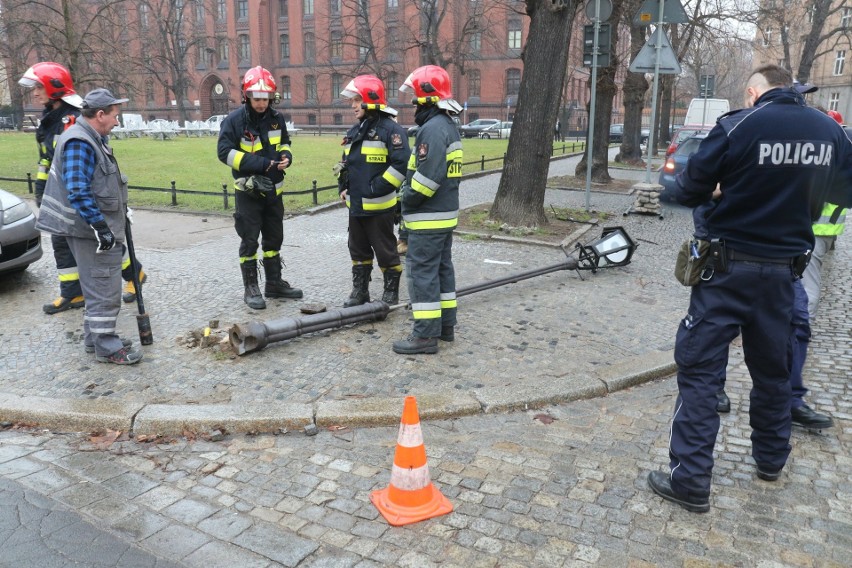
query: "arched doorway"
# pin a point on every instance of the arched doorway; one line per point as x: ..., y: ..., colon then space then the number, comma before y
x: 215, y: 98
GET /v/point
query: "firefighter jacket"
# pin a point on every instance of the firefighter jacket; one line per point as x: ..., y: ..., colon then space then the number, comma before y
x: 831, y: 221
x: 375, y: 153
x: 54, y: 121
x: 430, y: 194
x: 108, y: 190
x: 777, y: 163
x: 249, y: 142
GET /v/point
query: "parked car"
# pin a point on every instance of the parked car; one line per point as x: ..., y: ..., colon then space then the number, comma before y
x: 683, y: 133
x: 499, y: 130
x: 616, y: 134
x: 676, y: 163
x: 20, y: 242
x: 412, y: 131
x: 472, y: 129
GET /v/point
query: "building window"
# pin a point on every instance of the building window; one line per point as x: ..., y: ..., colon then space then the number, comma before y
x: 334, y: 7
x: 242, y: 10
x: 336, y: 45
x: 312, y: 119
x: 203, y: 56
x: 200, y: 12
x: 243, y: 48
x: 514, y: 34
x: 391, y: 40
x: 393, y: 85
x: 475, y: 42
x: 286, y: 92
x: 283, y: 9
x: 513, y: 82
x: 363, y: 44
x: 846, y: 18
x: 336, y: 85
x: 767, y: 38
x: 364, y: 8
x: 308, y: 7
x: 221, y: 10
x: 224, y: 50
x: 149, y: 93
x: 310, y: 46
x: 839, y: 60
x: 338, y: 119
x: 833, y: 101
x: 393, y: 3
x: 310, y: 88
x: 284, y: 45
x: 143, y: 16
x: 473, y: 83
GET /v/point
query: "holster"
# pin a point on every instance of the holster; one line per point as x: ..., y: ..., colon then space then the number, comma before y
x: 800, y: 263
x: 718, y: 261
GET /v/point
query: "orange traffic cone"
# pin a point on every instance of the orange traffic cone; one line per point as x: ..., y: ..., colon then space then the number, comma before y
x: 410, y: 497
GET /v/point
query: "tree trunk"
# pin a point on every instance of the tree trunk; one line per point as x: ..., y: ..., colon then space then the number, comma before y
x: 633, y: 93
x: 520, y: 195
x: 604, y: 95
x: 664, y: 134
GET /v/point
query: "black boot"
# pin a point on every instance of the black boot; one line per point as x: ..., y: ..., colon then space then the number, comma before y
x: 360, y: 286
x: 414, y: 345
x: 252, y: 295
x: 391, y: 293
x: 275, y: 287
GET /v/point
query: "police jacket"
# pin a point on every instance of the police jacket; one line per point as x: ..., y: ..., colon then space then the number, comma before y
x: 777, y: 163
x: 108, y: 190
x: 430, y: 194
x: 54, y: 121
x: 376, y: 153
x: 249, y: 142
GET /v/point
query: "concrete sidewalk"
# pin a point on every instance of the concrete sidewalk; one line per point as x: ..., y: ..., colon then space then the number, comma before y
x: 549, y: 339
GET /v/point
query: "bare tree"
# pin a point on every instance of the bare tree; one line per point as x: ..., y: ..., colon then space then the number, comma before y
x: 520, y: 195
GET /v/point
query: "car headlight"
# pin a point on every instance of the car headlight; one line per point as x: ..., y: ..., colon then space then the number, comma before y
x: 15, y: 213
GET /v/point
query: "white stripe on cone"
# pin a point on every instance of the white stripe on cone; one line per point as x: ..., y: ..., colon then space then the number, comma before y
x: 410, y: 479
x: 410, y: 435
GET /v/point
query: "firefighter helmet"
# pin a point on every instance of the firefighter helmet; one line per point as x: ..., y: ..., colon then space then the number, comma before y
x: 56, y: 81
x: 370, y: 89
x: 430, y: 84
x: 836, y: 116
x: 259, y: 83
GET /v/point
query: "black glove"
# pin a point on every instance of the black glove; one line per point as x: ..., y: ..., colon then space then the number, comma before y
x: 106, y: 240
x: 260, y: 186
x: 397, y: 212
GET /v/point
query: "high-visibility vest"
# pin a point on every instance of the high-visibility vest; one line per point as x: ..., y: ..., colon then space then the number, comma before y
x: 831, y: 221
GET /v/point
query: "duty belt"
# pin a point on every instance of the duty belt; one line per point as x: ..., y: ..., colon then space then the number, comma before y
x: 736, y: 255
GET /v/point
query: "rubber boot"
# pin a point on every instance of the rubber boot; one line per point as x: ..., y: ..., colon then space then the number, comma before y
x: 391, y: 293
x: 275, y: 287
x: 360, y: 286
x: 129, y: 294
x: 252, y: 296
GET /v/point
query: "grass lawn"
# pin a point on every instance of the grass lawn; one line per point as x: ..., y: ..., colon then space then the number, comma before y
x: 193, y: 165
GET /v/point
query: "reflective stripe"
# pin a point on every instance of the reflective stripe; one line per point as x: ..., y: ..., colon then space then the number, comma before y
x: 68, y: 274
x: 438, y: 220
x: 410, y: 436
x: 374, y: 151
x: 362, y: 262
x: 234, y: 159
x: 455, y: 157
x: 270, y: 253
x: 393, y: 177
x: 283, y: 148
x: 250, y: 145
x: 248, y: 259
x: 346, y: 149
x: 379, y: 203
x: 426, y: 310
x: 412, y: 162
x: 410, y: 478
x: 348, y: 204
x: 448, y: 300
x: 274, y: 137
x: 424, y: 185
x: 824, y: 227
x: 103, y: 324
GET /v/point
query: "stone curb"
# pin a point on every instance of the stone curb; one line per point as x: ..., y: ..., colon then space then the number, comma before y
x: 84, y: 415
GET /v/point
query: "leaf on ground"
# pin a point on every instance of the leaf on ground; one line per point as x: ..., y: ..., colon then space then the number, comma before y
x: 544, y: 418
x: 104, y: 439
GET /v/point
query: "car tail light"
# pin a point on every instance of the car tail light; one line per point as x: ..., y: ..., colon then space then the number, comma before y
x: 670, y: 166
x: 670, y: 150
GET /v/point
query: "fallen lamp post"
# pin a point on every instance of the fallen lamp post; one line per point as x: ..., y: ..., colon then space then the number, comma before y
x: 614, y: 248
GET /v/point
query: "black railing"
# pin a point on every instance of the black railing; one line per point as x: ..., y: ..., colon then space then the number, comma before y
x: 314, y: 190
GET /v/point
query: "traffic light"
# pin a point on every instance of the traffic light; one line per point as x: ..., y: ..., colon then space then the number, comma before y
x: 589, y: 45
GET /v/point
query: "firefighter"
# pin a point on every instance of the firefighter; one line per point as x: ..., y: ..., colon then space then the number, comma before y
x: 253, y: 141
x: 375, y: 156
x: 430, y: 210
x: 52, y: 85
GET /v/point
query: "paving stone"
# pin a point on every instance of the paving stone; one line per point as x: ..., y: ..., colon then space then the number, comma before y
x: 279, y: 546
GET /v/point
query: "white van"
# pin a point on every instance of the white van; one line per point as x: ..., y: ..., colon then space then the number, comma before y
x: 705, y: 111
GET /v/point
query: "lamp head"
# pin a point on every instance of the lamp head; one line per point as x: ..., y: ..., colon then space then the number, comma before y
x: 613, y: 248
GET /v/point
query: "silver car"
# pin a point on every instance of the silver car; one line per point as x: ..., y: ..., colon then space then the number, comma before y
x: 20, y: 242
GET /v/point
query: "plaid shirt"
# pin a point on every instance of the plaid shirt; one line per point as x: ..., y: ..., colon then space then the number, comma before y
x: 79, y: 168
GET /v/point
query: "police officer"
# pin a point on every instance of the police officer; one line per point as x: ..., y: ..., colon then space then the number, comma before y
x: 761, y: 158
x: 430, y: 210
x: 254, y: 143
x: 375, y: 156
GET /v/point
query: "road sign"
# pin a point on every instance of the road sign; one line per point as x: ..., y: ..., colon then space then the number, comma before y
x: 645, y: 61
x: 602, y: 49
x: 604, y: 9
x: 649, y: 13
x: 707, y: 86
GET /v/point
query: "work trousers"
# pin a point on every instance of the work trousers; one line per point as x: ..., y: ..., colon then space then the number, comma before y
x: 66, y: 266
x: 812, y: 278
x: 255, y: 217
x: 371, y: 234
x: 755, y: 299
x: 801, y: 341
x: 100, y: 279
x: 431, y: 282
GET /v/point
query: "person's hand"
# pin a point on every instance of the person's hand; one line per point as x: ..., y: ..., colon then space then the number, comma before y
x: 717, y: 193
x: 284, y: 163
x: 129, y: 215
x: 106, y: 240
x: 343, y: 195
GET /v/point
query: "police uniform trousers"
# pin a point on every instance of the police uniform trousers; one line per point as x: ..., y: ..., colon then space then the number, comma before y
x: 66, y: 265
x: 755, y: 299
x: 256, y: 216
x: 431, y: 282
x: 373, y: 233
x: 100, y: 279
x: 801, y: 339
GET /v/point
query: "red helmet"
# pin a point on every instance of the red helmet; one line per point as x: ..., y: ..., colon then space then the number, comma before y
x: 259, y: 82
x: 431, y: 84
x: 56, y: 81
x: 369, y: 88
x: 836, y: 116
